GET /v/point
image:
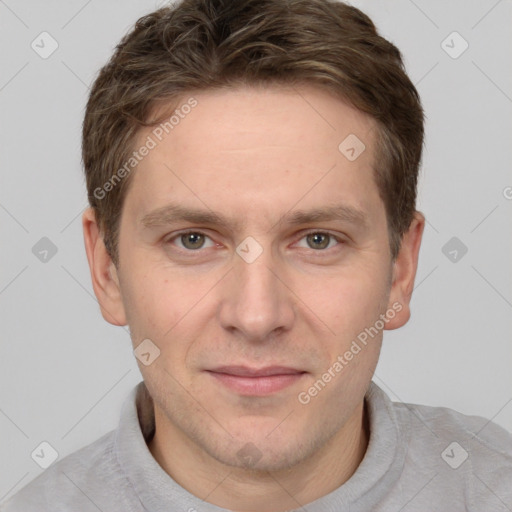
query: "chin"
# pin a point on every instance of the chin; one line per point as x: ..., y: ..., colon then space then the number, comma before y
x: 262, y: 459
x: 264, y: 452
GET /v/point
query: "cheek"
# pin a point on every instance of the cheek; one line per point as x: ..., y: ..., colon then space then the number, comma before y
x: 348, y: 301
x: 154, y: 305
x: 169, y: 309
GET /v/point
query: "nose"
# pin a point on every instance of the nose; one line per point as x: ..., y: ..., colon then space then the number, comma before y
x: 257, y: 303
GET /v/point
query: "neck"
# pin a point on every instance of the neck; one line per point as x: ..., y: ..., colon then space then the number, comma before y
x: 252, y: 491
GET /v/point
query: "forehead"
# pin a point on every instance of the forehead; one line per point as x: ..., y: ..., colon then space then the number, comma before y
x: 269, y: 148
x: 279, y: 114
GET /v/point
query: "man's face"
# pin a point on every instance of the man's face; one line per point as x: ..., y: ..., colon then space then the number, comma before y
x: 250, y: 312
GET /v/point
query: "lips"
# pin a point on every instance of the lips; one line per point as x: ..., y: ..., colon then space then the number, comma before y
x: 249, y: 381
x: 244, y: 371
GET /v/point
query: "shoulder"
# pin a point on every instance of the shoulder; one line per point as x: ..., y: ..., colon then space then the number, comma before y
x: 447, y: 424
x: 468, y: 453
x: 87, y: 479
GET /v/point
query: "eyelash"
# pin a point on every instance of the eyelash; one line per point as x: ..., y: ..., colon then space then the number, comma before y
x: 312, y: 232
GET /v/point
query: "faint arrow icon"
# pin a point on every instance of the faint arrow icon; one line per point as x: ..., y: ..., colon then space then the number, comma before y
x: 44, y: 455
x: 44, y: 250
x: 249, y: 454
x: 146, y: 352
x: 454, y: 45
x: 454, y: 249
x: 44, y: 45
x: 249, y: 249
x: 351, y: 147
x: 454, y: 455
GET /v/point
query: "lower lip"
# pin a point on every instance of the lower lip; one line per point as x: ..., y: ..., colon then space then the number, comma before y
x: 257, y: 386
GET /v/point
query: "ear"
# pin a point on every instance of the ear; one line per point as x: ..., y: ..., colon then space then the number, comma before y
x: 104, y: 276
x: 404, y: 272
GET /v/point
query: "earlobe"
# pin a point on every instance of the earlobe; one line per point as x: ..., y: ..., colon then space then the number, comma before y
x: 404, y: 272
x: 105, y: 280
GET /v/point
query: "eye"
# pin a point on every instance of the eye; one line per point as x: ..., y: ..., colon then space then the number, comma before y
x: 195, y: 240
x: 191, y: 240
x: 320, y: 240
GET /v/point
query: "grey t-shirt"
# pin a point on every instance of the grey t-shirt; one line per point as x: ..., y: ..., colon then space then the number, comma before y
x: 419, y: 459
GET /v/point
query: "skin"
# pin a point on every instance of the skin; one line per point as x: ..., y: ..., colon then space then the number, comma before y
x: 255, y: 155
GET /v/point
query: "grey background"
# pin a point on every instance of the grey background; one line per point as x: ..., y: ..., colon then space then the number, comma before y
x: 65, y: 372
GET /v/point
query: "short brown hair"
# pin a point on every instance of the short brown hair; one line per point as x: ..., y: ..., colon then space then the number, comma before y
x: 205, y: 44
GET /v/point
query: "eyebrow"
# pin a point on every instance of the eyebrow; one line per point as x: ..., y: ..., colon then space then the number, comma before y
x: 172, y: 213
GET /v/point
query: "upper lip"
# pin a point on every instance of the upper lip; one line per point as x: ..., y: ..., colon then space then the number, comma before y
x: 246, y: 371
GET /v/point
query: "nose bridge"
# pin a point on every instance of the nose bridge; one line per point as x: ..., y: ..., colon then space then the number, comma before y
x: 258, y: 302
